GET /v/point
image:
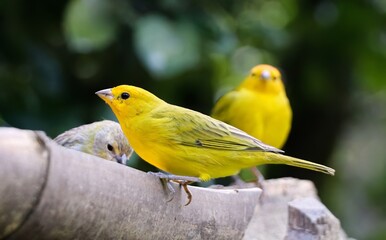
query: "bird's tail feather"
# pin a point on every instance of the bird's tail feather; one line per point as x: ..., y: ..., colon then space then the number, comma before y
x: 274, y: 158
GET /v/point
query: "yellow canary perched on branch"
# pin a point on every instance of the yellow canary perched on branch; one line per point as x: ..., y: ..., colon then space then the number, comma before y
x: 104, y: 139
x: 185, y: 142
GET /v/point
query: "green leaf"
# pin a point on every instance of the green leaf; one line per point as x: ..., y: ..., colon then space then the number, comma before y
x: 166, y: 48
x: 89, y: 25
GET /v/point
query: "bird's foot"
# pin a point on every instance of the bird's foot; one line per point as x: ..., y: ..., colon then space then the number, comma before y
x: 182, y: 180
x: 174, y: 177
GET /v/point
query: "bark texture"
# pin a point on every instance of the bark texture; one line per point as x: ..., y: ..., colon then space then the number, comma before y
x: 49, y: 192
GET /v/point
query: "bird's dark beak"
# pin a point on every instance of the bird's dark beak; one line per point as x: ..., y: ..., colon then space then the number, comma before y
x: 121, y: 159
x: 105, y: 94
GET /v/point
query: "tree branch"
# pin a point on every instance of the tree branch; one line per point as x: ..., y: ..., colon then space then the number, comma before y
x: 49, y: 192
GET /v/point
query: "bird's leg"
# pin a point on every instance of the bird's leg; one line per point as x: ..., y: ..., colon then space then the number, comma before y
x: 182, y: 180
x: 174, y: 177
x: 259, y: 177
x: 170, y: 188
x: 166, y: 182
x: 255, y: 177
x: 184, y: 184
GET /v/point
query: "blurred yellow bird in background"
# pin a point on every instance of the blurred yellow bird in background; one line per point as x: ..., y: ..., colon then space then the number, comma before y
x: 259, y: 106
x: 185, y: 142
x: 104, y: 139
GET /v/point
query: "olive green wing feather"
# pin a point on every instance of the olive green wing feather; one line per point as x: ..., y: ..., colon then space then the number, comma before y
x: 198, y: 130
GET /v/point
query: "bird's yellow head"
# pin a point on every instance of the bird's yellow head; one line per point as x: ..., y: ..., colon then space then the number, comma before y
x: 129, y: 101
x: 264, y: 78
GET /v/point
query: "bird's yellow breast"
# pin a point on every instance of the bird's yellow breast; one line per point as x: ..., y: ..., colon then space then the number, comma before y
x: 267, y: 117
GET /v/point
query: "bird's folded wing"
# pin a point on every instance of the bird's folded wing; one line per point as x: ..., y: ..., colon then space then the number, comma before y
x: 202, y: 131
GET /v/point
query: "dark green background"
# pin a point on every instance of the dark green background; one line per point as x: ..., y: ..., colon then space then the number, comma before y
x: 55, y: 54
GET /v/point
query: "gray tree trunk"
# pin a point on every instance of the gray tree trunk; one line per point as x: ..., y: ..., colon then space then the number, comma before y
x: 49, y: 192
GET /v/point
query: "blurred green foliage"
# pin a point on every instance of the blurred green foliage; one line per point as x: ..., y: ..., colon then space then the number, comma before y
x: 55, y: 54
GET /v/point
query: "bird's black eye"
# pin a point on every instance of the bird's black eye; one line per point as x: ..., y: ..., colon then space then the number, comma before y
x: 125, y: 95
x: 110, y: 148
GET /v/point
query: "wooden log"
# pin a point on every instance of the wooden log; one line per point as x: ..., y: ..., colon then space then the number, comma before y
x: 23, y: 174
x: 310, y: 219
x: 271, y: 215
x: 290, y: 209
x: 49, y: 192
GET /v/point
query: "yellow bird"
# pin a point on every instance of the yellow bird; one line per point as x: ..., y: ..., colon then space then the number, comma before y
x: 104, y: 139
x: 259, y: 106
x: 185, y: 142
